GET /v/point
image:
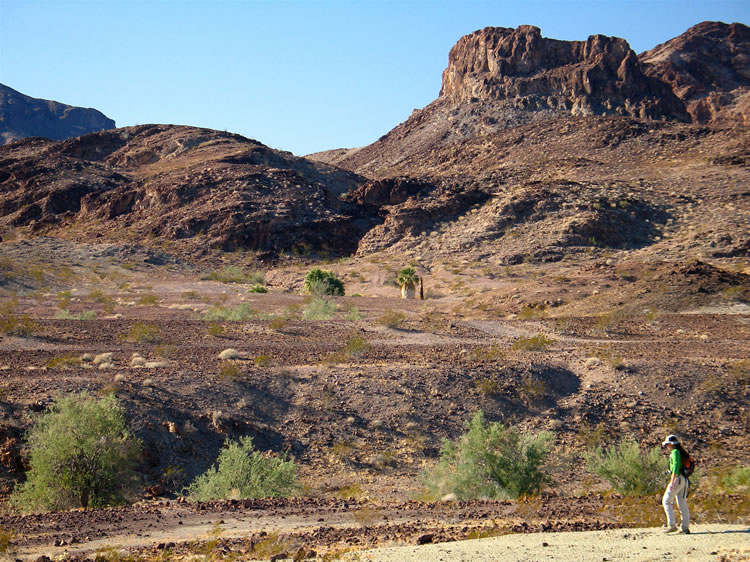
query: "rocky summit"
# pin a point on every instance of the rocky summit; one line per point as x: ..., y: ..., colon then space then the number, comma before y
x: 22, y: 116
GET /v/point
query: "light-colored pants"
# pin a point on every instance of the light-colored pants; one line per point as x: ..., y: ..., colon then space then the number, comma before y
x: 679, y: 493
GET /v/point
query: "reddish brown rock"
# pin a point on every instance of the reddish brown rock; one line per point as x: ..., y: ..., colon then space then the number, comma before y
x: 708, y: 68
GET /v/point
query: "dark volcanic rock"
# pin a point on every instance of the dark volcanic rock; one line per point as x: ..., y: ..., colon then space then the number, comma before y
x: 203, y: 188
x: 708, y: 68
x: 22, y: 116
x: 598, y: 76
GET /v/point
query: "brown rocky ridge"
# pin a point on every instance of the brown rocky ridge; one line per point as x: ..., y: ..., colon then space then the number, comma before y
x: 22, y: 116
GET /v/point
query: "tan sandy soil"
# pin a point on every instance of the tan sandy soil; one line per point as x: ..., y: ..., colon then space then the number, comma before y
x: 707, y: 542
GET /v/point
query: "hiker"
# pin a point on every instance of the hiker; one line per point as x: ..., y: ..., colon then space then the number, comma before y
x: 678, y: 486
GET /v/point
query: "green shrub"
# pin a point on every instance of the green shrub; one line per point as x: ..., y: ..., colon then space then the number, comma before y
x: 67, y: 315
x: 82, y: 455
x: 490, y: 460
x: 628, y: 468
x: 13, y: 324
x: 64, y: 361
x: 142, y: 333
x: 215, y: 330
x: 239, y: 313
x: 391, y: 319
x: 244, y: 472
x: 147, y: 300
x: 257, y: 288
x: 534, y: 343
x: 319, y: 282
x: 738, y: 480
x: 356, y: 346
x: 319, y: 309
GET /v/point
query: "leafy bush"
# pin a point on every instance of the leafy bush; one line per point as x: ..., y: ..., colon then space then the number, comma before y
x: 81, y: 455
x: 319, y: 282
x: 490, y: 460
x: 147, y: 300
x: 258, y: 288
x: 629, y: 469
x: 244, y: 472
x: 239, y: 313
x: 319, y: 309
x: 67, y: 315
x: 738, y: 480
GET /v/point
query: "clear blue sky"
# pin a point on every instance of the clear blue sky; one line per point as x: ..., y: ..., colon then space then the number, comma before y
x: 299, y: 75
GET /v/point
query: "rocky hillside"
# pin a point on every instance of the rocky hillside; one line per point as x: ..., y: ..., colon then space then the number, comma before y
x: 499, y: 78
x: 192, y: 188
x: 708, y: 68
x: 22, y: 116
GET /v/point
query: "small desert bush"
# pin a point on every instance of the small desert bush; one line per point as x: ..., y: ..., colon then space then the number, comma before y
x: 737, y: 480
x: 64, y: 361
x: 539, y: 342
x: 239, y: 313
x: 353, y: 315
x: 84, y: 315
x: 216, y: 330
x: 319, y: 309
x: 228, y: 274
x: 391, y: 319
x: 82, y: 455
x: 147, y: 300
x: 487, y: 386
x: 142, y: 333
x: 489, y: 353
x: 257, y: 288
x: 14, y: 324
x: 229, y: 370
x: 278, y: 322
x: 627, y: 467
x: 356, y: 346
x: 490, y: 460
x: 262, y: 361
x: 192, y: 295
x: 319, y: 283
x: 243, y: 472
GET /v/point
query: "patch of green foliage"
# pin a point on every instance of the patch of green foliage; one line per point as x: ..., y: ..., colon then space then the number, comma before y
x: 319, y: 309
x: 628, y: 468
x: 539, y: 342
x: 407, y: 278
x: 490, y: 460
x: 319, y: 283
x: 14, y: 324
x: 257, y: 288
x: 142, y: 333
x: 81, y: 455
x: 243, y: 472
x: 239, y: 313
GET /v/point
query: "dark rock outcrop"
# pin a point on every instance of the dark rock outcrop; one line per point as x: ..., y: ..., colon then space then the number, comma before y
x: 708, y: 68
x: 599, y: 76
x: 22, y: 116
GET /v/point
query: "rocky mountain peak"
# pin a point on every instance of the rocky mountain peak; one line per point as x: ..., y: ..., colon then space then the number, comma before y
x: 22, y: 116
x: 599, y: 76
x: 708, y: 68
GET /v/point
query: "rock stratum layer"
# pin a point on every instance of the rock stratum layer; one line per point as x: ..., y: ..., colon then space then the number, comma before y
x: 22, y: 116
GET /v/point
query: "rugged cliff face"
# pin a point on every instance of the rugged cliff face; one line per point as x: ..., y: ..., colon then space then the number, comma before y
x: 708, y: 68
x: 598, y: 76
x: 22, y: 116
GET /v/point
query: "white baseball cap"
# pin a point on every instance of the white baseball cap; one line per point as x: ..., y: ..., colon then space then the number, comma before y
x: 671, y: 440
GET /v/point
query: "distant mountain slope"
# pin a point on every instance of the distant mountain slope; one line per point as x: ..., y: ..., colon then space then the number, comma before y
x: 22, y: 116
x: 194, y: 188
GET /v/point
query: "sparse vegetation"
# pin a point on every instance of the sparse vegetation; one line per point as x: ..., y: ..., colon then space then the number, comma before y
x: 627, y: 467
x: 391, y: 319
x: 65, y: 361
x: 82, y: 454
x: 539, y: 342
x: 229, y: 274
x: 257, y: 288
x: 243, y: 472
x: 490, y: 460
x: 231, y: 371
x: 14, y: 324
x: 147, y: 300
x: 319, y: 309
x: 142, y: 333
x: 240, y: 313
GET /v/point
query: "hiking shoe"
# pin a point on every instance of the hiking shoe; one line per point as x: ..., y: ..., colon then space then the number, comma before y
x: 671, y: 529
x: 684, y: 531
